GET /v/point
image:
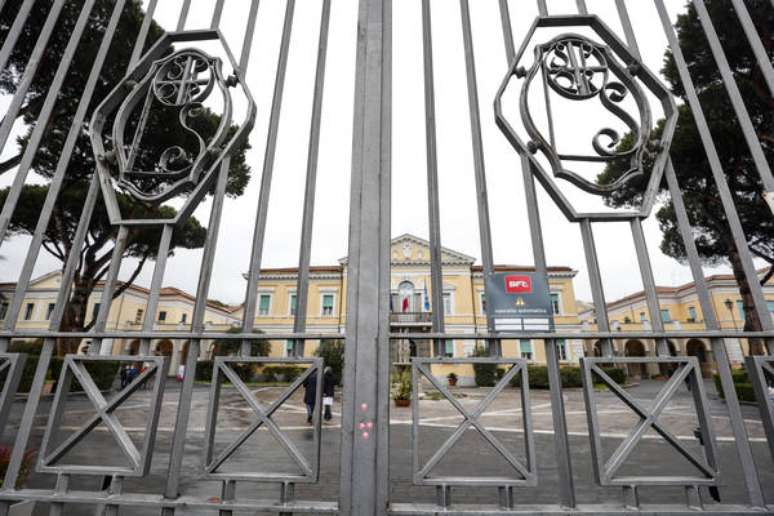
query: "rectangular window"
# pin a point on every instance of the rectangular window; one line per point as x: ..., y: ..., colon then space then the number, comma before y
x: 692, y: 313
x: 740, y: 309
x: 483, y: 303
x: 665, y: 317
x: 138, y: 316
x: 327, y: 304
x: 447, y: 303
x: 770, y: 306
x: 292, y: 303
x: 289, y: 348
x: 3, y: 309
x: 642, y: 317
x: 448, y: 350
x: 50, y: 310
x: 162, y: 316
x: 525, y: 348
x: 264, y: 304
x: 562, y: 348
x: 184, y: 318
x: 555, y: 303
x: 28, y: 311
x: 95, y: 311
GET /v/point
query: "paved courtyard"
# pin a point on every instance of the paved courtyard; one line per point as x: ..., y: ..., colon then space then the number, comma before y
x: 471, y: 456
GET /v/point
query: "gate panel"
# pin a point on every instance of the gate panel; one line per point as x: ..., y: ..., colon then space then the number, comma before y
x: 189, y: 90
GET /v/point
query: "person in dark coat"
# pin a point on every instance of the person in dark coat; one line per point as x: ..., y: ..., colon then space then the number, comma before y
x: 329, y: 387
x: 310, y: 395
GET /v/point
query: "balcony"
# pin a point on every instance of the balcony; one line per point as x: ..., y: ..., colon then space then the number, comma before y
x: 410, y: 318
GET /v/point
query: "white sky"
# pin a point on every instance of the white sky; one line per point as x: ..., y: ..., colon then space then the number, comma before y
x: 459, y: 222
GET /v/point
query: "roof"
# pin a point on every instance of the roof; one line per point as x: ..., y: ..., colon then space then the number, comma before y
x: 679, y: 289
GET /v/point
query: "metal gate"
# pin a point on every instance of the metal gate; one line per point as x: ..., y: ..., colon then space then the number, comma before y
x: 181, y: 72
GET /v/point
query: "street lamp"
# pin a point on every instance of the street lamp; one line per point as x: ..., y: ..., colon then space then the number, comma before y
x: 730, y: 306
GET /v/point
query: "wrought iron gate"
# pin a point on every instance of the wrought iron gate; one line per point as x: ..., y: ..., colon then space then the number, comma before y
x: 178, y: 74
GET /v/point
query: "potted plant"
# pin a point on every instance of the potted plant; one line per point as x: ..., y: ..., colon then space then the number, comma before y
x: 401, y: 391
x: 21, y: 508
x: 452, y: 377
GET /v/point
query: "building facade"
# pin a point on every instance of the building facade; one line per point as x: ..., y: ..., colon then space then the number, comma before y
x: 680, y: 311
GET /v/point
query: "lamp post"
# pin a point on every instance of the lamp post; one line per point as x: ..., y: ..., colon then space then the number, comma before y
x: 730, y: 306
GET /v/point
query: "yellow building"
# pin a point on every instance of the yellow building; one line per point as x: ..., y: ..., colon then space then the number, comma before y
x: 463, y: 294
x: 680, y: 311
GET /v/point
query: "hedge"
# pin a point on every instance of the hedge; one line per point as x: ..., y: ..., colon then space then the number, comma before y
x: 278, y: 373
x: 744, y: 389
x: 245, y: 371
x: 571, y: 377
x: 103, y: 373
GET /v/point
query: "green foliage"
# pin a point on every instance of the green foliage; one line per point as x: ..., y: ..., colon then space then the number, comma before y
x: 281, y: 373
x: 332, y: 353
x: 744, y: 389
x: 103, y: 373
x: 232, y: 347
x: 571, y: 377
x: 700, y: 195
x: 485, y: 374
x: 401, y: 387
x: 452, y: 377
x: 142, y: 244
x: 204, y: 371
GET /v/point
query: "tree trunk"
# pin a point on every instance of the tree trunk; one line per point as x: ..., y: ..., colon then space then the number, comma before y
x: 74, y: 319
x: 751, y: 320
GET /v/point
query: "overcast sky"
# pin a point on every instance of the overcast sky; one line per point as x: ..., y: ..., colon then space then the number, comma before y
x: 459, y: 222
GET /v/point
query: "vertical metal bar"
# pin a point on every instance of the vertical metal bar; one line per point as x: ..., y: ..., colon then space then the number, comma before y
x: 482, y: 197
x: 31, y: 407
x: 302, y: 282
x: 364, y: 469
x: 266, y: 177
x: 755, y: 43
x: 186, y: 7
x: 41, y: 126
x: 433, y: 202
x: 649, y: 285
x: 561, y: 438
x: 14, y: 32
x: 718, y: 174
x: 582, y: 9
x: 735, y: 96
x: 108, y: 287
x: 142, y: 36
x: 55, y: 186
x: 155, y: 286
x: 736, y: 419
x: 542, y: 8
x: 172, y: 489
x: 597, y: 289
x: 217, y: 13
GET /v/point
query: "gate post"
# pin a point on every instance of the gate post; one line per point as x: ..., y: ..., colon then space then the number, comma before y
x: 365, y: 422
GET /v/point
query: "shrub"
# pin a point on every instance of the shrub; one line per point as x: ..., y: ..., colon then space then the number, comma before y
x: 103, y: 373
x: 282, y: 373
x: 204, y: 371
x: 744, y: 389
x: 332, y: 353
x: 615, y: 374
x: 571, y: 377
x: 485, y: 374
x: 401, y: 389
x: 538, y: 377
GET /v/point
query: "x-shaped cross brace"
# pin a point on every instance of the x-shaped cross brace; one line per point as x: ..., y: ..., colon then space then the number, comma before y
x: 264, y: 418
x: 471, y: 419
x: 104, y: 414
x: 649, y: 419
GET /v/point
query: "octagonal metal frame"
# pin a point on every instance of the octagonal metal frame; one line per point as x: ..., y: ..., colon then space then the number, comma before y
x: 111, y: 104
x: 140, y: 459
x: 604, y: 472
x: 644, y: 75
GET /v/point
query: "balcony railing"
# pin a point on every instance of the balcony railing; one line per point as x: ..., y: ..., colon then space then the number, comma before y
x: 410, y: 317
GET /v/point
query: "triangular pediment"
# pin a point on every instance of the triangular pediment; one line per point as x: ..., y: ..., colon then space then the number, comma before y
x: 409, y: 249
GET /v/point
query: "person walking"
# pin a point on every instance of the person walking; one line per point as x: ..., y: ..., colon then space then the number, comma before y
x: 310, y: 395
x: 329, y: 387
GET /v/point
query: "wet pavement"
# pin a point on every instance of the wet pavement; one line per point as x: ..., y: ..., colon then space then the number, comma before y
x: 471, y: 456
